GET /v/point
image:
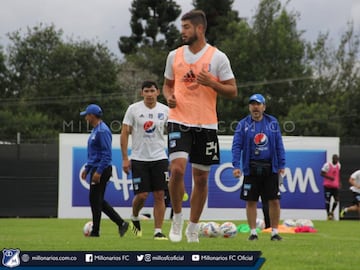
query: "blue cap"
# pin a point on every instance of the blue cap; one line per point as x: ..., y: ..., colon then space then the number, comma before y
x: 92, y: 109
x: 258, y: 98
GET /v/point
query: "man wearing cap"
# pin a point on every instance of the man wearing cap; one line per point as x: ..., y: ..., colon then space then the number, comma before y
x: 258, y: 145
x: 99, y: 167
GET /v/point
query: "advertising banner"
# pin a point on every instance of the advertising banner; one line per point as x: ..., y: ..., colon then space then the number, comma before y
x: 301, y: 190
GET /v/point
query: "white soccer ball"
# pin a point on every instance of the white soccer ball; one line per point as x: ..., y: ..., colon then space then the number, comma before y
x: 201, y: 226
x: 304, y: 222
x: 87, y: 229
x: 211, y: 229
x: 260, y: 223
x: 228, y: 229
x: 289, y: 223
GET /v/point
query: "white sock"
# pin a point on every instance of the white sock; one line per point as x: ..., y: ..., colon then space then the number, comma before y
x: 274, y: 231
x: 192, y: 227
x: 177, y: 217
x: 135, y: 218
x: 253, y: 231
x: 157, y: 230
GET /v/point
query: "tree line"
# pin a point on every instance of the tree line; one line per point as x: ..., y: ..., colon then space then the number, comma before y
x: 312, y: 87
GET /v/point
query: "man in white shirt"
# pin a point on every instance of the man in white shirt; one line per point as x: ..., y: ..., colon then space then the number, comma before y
x: 145, y: 121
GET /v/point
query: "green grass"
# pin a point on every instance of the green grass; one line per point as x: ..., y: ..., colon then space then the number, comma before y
x: 334, y: 246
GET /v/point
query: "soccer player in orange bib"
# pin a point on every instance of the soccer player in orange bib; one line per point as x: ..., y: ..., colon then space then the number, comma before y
x: 195, y: 74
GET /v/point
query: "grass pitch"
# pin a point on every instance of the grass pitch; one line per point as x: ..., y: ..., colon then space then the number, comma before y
x: 334, y: 246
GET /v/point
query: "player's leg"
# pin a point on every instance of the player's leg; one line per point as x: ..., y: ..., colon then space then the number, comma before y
x: 179, y: 147
x: 176, y: 191
x: 204, y: 153
x: 250, y: 193
x: 265, y: 209
x: 335, y: 195
x: 354, y: 207
x: 159, y: 185
x: 251, y: 214
x: 141, y: 178
x: 272, y: 194
x: 107, y: 208
x: 176, y: 182
x: 96, y: 198
x: 327, y: 197
x: 96, y: 205
x: 199, y: 192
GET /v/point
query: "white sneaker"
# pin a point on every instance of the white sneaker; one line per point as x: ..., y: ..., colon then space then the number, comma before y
x: 175, y: 234
x: 192, y: 237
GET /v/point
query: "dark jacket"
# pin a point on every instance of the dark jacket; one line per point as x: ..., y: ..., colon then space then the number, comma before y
x: 243, y: 139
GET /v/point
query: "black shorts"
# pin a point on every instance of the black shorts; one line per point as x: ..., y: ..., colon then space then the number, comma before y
x: 356, y: 197
x: 201, y: 144
x: 148, y: 176
x: 265, y: 186
x: 331, y: 192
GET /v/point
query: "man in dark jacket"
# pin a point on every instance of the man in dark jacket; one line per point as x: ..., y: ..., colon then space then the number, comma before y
x: 99, y: 167
x: 258, y: 144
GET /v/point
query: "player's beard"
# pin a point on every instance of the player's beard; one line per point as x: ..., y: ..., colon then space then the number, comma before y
x: 190, y: 40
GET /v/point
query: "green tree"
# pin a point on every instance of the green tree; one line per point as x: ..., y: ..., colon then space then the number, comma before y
x: 315, y: 119
x: 152, y: 25
x: 4, y: 77
x: 153, y: 34
x: 337, y: 77
x: 57, y: 79
x: 219, y: 15
x: 278, y: 56
x: 267, y: 55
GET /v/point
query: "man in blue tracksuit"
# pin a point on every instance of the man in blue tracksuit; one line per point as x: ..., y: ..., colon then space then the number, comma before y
x: 99, y: 168
x: 258, y: 145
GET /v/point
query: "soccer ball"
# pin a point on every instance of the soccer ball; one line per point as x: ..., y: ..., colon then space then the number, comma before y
x: 289, y: 223
x: 260, y: 223
x: 228, y: 229
x: 87, y: 229
x: 211, y: 229
x: 201, y: 226
x: 304, y: 222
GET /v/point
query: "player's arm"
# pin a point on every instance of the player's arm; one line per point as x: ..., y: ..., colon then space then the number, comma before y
x: 324, y: 174
x: 124, y: 142
x: 168, y: 92
x: 225, y: 88
x: 236, y: 149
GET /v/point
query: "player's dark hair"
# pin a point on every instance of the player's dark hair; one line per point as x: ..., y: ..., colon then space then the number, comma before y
x: 148, y: 84
x: 196, y: 17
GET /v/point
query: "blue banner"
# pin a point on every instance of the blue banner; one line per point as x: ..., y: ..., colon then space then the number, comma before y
x: 302, y: 188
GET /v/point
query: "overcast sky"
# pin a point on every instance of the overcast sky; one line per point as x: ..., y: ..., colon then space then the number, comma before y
x: 106, y: 20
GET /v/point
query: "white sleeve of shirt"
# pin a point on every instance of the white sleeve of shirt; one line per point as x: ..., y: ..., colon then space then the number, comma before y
x: 223, y: 66
x: 128, y: 118
x: 169, y: 73
x: 325, y: 168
